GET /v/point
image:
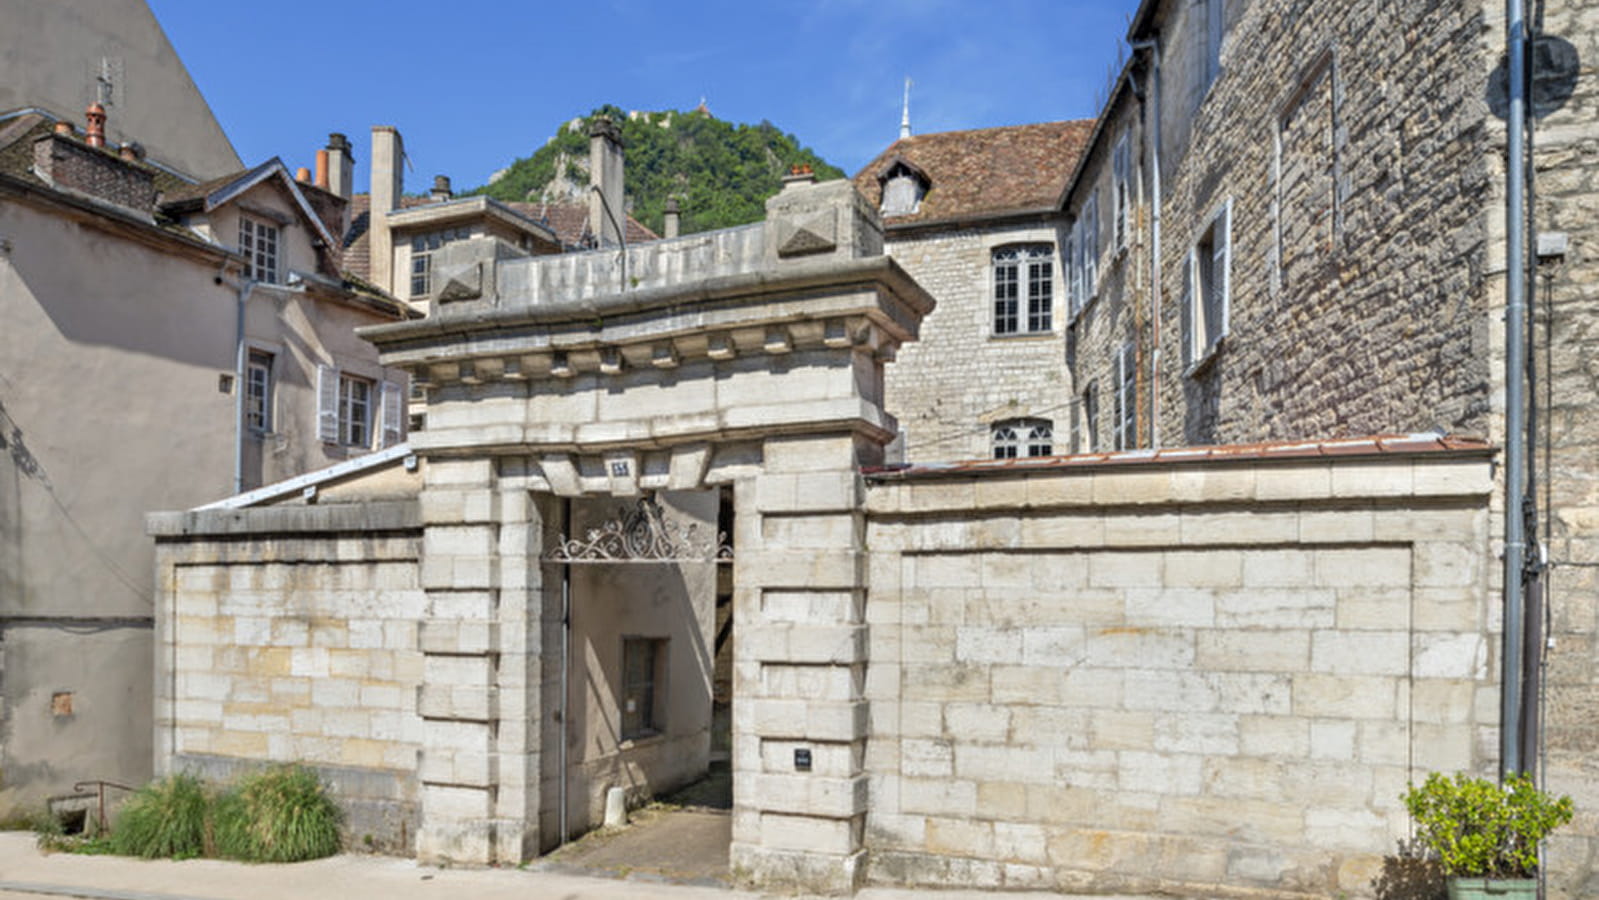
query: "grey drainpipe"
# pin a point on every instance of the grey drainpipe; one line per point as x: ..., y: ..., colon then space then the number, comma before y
x: 1153, y: 46
x: 244, y: 288
x: 1510, y: 718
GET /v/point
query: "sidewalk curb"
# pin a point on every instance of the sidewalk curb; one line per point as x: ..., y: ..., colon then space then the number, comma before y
x: 88, y: 893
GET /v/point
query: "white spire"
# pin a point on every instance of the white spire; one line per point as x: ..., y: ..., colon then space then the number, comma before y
x: 905, y: 116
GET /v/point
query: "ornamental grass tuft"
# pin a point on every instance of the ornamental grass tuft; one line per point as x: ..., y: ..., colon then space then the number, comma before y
x: 280, y: 814
x: 166, y: 818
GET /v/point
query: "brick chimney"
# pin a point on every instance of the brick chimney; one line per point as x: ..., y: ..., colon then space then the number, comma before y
x: 441, y: 189
x: 94, y: 125
x: 67, y: 163
x: 341, y: 165
x: 605, y: 173
x: 673, y: 217
x: 388, y: 183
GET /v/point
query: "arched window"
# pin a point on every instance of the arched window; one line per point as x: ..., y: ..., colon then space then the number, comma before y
x: 1023, y: 437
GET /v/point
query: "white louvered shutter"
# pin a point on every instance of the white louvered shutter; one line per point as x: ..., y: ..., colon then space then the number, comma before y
x: 393, y: 413
x: 327, y: 404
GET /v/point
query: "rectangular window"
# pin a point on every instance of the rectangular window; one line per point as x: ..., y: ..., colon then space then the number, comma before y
x: 643, y: 682
x: 1024, y: 271
x: 258, y: 242
x: 1085, y: 247
x: 422, y: 247
x: 1090, y: 410
x: 1122, y: 166
x: 1125, y: 415
x: 355, y: 411
x: 1206, y: 289
x: 258, y: 392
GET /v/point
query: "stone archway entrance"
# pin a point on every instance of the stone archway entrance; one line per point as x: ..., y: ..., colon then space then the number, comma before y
x: 746, y: 363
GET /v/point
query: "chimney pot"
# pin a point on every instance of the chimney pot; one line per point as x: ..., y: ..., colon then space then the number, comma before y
x: 130, y: 151
x: 441, y: 189
x: 674, y: 217
x: 322, y: 169
x: 94, y: 118
x: 302, y: 175
x: 63, y: 128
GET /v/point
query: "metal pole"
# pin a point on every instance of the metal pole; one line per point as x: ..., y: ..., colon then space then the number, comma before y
x: 566, y: 640
x: 1510, y: 714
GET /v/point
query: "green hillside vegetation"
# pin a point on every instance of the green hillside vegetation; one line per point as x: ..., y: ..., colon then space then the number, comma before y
x: 720, y: 172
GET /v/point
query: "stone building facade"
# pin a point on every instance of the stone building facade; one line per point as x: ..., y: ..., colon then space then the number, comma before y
x: 973, y: 215
x: 1325, y: 229
x: 1204, y: 671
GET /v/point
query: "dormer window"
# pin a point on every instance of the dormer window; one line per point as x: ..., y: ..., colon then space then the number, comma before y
x: 258, y: 241
x: 904, y: 186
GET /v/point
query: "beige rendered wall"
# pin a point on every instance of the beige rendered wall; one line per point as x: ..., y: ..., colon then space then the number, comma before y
x: 54, y: 53
x: 1211, y: 680
x: 97, y: 389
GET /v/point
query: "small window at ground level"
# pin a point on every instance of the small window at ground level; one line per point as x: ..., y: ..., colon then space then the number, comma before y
x: 643, y: 687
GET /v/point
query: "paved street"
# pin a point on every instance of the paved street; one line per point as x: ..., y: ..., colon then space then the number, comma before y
x: 27, y: 873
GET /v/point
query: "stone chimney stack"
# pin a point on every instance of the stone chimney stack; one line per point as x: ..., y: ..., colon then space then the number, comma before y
x: 94, y: 122
x: 673, y: 217
x: 388, y: 182
x: 605, y: 180
x: 441, y: 189
x: 341, y: 165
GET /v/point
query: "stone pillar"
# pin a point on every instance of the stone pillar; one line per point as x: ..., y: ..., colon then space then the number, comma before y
x: 800, y: 659
x: 482, y: 653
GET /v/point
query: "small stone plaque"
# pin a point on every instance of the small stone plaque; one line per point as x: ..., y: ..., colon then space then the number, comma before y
x: 802, y: 760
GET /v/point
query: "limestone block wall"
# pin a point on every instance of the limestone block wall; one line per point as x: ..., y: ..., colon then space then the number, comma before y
x: 948, y: 388
x: 298, y: 645
x: 1206, y: 679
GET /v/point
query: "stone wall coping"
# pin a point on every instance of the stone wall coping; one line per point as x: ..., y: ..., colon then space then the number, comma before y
x: 374, y: 516
x: 758, y: 285
x: 1378, y: 447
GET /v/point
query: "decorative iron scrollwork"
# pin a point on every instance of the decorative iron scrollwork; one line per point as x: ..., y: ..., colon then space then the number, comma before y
x: 643, y: 533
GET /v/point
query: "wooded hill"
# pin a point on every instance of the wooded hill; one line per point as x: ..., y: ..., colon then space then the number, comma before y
x: 720, y: 172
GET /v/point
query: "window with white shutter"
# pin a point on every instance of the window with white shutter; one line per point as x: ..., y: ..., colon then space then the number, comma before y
x: 1125, y: 414
x: 1122, y: 166
x: 327, y: 404
x: 393, y: 413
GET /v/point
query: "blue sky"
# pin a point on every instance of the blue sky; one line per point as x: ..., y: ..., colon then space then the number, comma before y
x: 475, y: 84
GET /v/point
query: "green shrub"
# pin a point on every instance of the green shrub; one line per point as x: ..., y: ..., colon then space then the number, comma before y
x: 280, y: 814
x: 166, y: 818
x: 1478, y: 828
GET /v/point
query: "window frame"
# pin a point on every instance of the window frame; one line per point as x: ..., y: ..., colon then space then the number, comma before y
x: 1207, y: 292
x: 423, y: 245
x: 355, y: 415
x: 1121, y: 176
x: 1027, y: 437
x: 260, y: 405
x: 1089, y: 408
x: 1124, y: 413
x: 1022, y: 288
x: 261, y: 264
x: 647, y: 717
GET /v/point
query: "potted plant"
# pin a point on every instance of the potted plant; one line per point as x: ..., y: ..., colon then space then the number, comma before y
x: 1485, y: 835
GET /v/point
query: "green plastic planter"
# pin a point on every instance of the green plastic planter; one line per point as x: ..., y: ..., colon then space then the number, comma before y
x: 1493, y: 888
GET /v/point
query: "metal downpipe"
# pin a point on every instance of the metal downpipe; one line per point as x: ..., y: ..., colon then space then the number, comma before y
x: 1515, y: 552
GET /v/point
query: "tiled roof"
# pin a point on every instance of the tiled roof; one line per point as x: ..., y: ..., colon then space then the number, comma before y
x: 1376, y: 446
x: 16, y: 152
x: 569, y: 221
x: 984, y: 172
